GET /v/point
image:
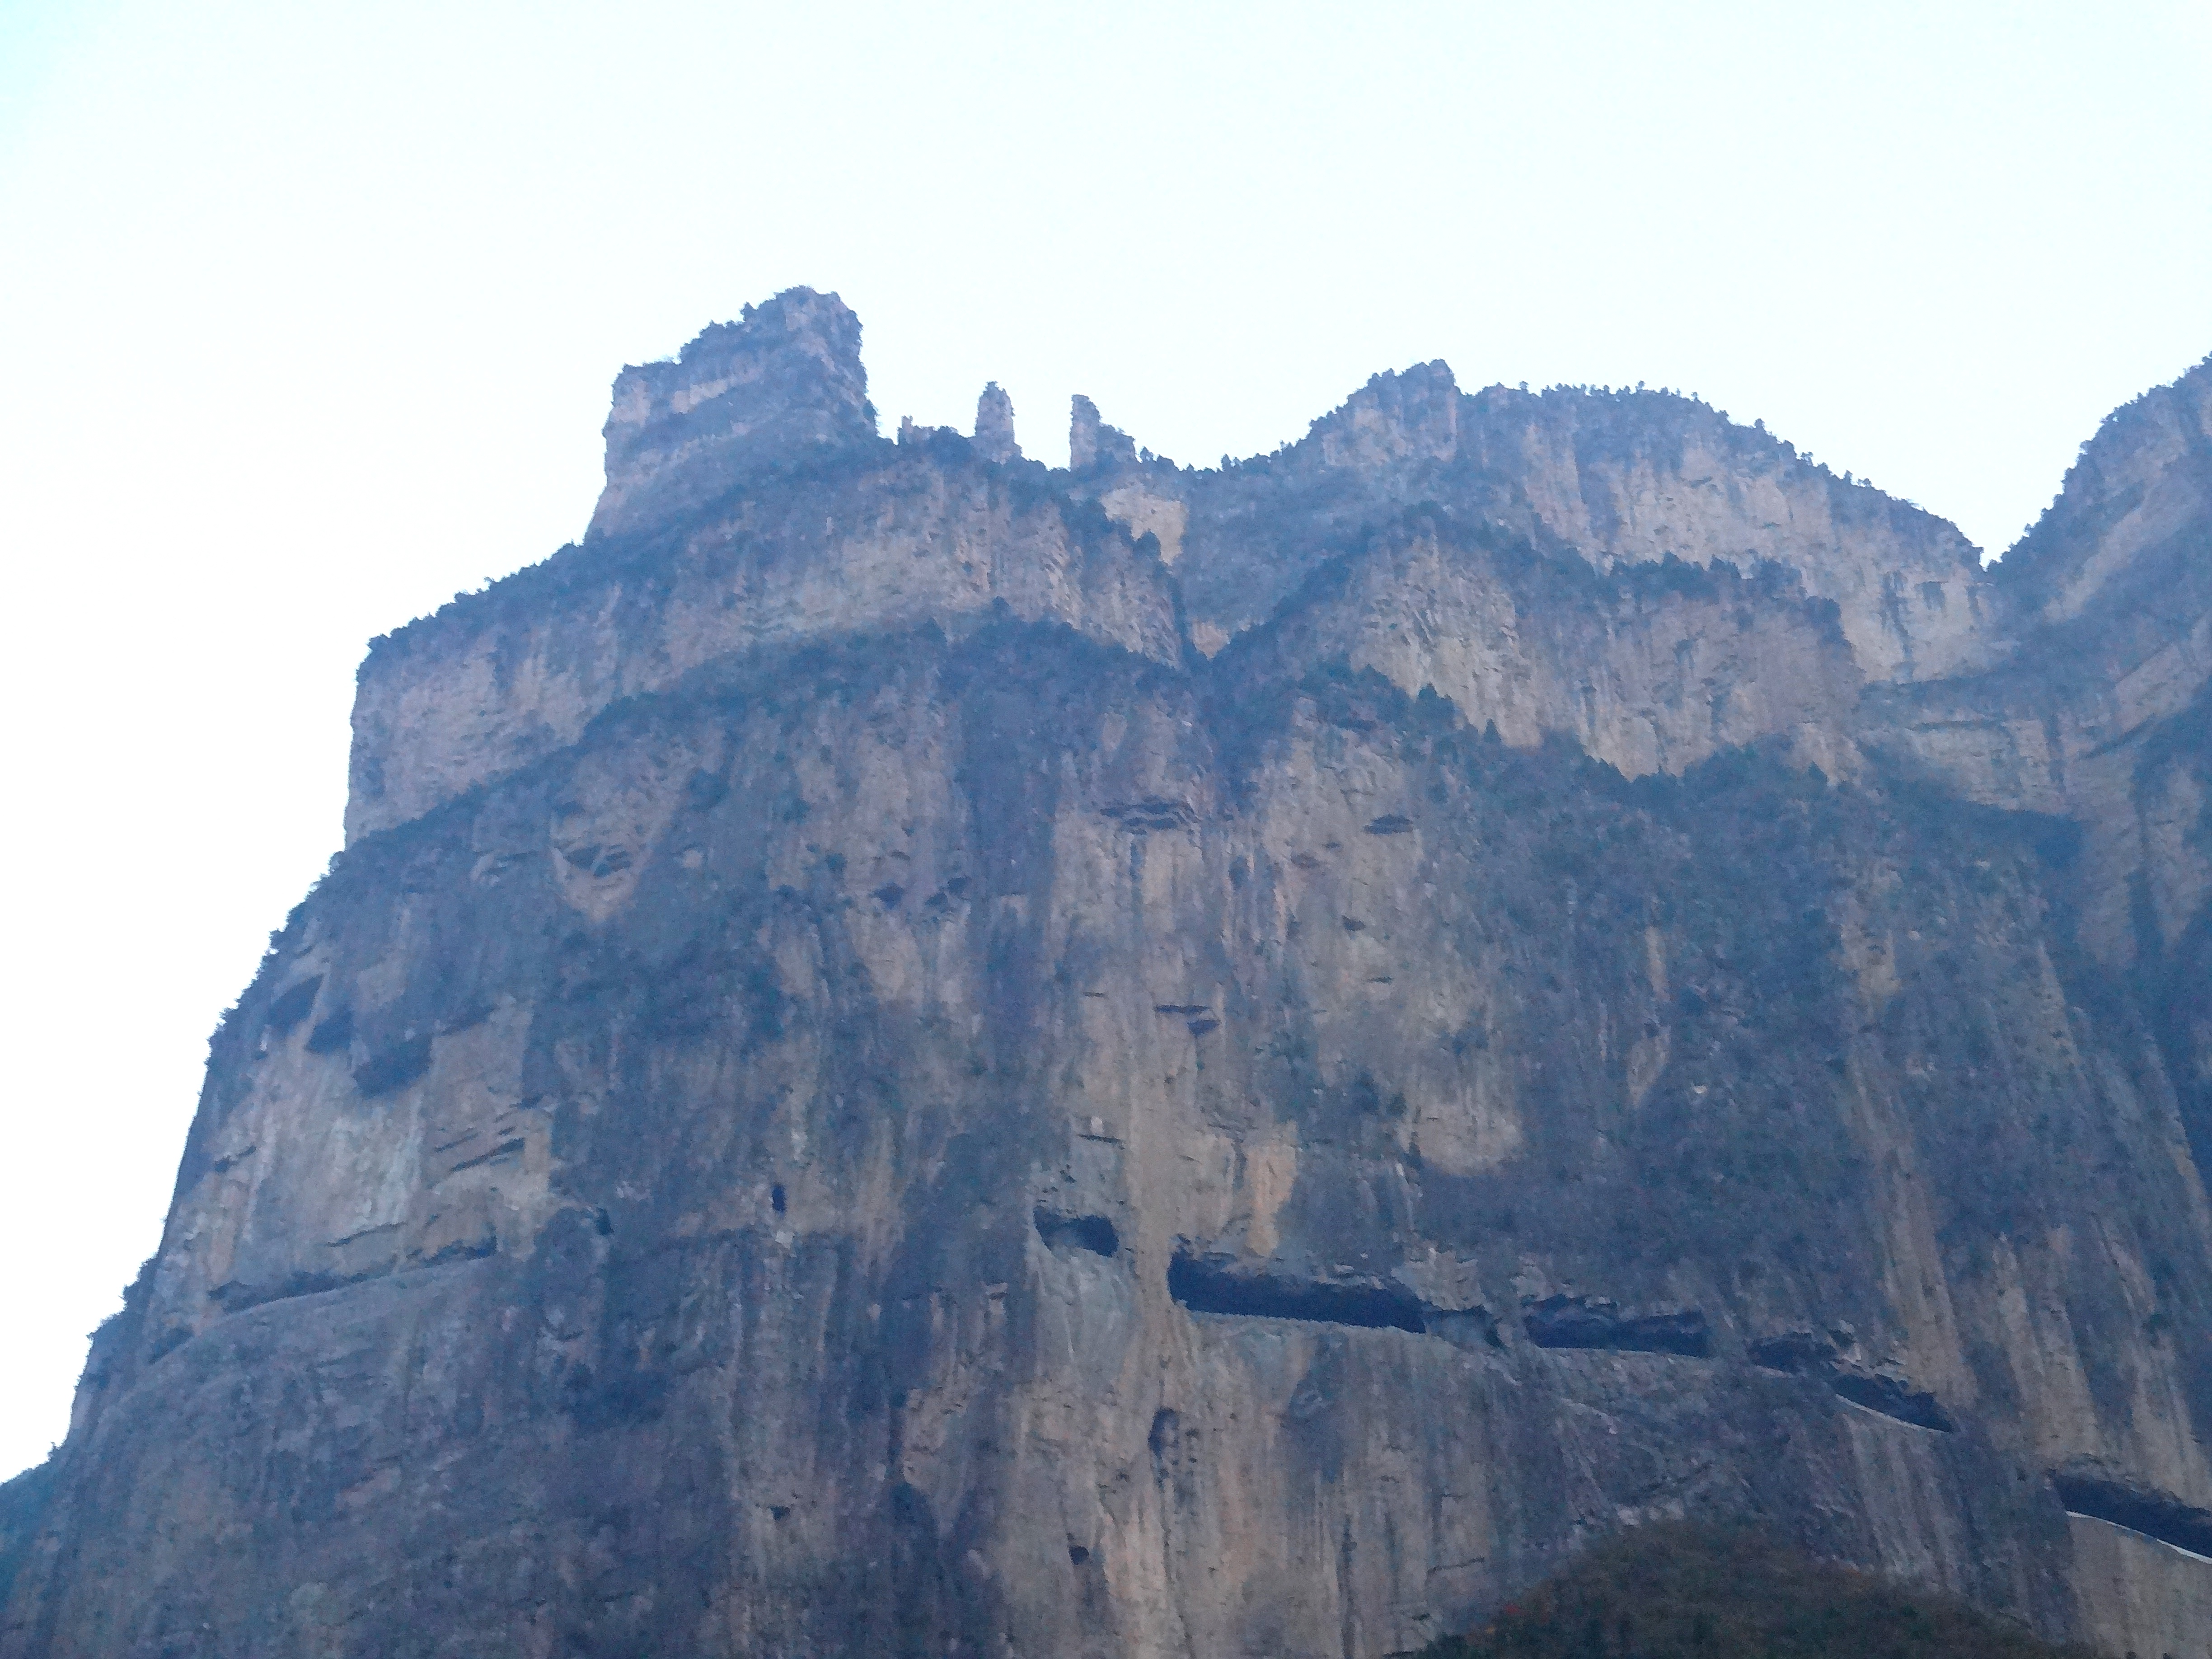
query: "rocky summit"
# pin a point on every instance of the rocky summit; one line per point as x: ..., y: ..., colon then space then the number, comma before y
x: 912, y: 1052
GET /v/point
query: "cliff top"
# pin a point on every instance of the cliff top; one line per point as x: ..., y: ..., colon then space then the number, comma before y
x: 786, y: 378
x: 2143, y: 480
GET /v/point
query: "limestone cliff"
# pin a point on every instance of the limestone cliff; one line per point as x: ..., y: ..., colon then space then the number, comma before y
x: 2103, y: 717
x: 912, y: 1052
x: 1621, y: 479
x: 782, y: 385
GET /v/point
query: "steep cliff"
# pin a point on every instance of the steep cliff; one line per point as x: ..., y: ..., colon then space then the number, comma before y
x: 1621, y: 479
x: 2104, y: 716
x: 914, y: 1052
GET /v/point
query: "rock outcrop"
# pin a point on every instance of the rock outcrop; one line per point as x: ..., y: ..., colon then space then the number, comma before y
x: 777, y: 516
x: 782, y: 384
x: 995, y: 426
x: 912, y: 1053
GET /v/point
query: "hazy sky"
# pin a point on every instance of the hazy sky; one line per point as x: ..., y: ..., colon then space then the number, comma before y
x: 308, y: 314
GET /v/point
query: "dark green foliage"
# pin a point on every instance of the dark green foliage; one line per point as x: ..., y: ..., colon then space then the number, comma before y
x: 1669, y: 1590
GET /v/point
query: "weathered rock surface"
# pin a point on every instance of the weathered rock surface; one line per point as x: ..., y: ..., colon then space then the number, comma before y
x: 782, y: 383
x: 1621, y: 479
x: 2103, y: 718
x: 912, y: 1054
x: 853, y: 534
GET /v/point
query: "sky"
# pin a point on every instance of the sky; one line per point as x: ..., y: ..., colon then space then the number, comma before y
x: 308, y: 315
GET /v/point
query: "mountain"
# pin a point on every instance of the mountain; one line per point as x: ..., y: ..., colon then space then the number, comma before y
x: 915, y: 1052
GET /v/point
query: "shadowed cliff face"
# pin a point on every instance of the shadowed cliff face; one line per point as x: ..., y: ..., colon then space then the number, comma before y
x: 868, y: 1083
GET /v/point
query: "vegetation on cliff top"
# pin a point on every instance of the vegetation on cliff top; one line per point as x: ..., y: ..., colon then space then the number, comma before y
x: 1685, y: 1592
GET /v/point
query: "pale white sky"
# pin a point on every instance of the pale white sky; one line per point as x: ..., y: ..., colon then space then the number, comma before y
x: 308, y: 314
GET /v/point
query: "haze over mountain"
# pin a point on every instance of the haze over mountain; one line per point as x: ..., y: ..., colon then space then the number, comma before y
x: 915, y: 1051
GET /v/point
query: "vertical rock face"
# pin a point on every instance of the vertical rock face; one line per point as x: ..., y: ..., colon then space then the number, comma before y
x: 912, y: 1052
x: 1091, y: 443
x: 784, y: 382
x: 749, y: 501
x: 2102, y: 717
x: 2130, y: 520
x: 995, y: 426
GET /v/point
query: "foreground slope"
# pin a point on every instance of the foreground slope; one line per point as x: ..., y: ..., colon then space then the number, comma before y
x: 911, y: 1051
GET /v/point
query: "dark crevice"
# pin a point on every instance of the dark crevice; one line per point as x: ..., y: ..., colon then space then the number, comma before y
x: 1799, y: 1351
x: 1810, y: 1353
x: 1212, y: 1287
x: 1463, y: 1327
x: 464, y: 1249
x: 505, y: 1148
x: 1587, y: 1322
x: 596, y: 861
x: 235, y: 1298
x: 1199, y: 1016
x: 1094, y: 1233
x: 1153, y: 813
x: 332, y: 1034
x: 293, y: 1005
x: 392, y: 1067
x: 1893, y: 1398
x: 2154, y: 1514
